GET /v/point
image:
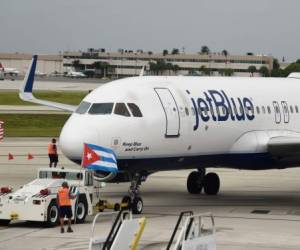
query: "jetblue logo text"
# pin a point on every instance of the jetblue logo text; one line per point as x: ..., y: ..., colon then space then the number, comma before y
x: 216, y: 105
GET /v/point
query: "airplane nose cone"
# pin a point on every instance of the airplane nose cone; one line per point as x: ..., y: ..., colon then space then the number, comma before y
x: 73, y: 136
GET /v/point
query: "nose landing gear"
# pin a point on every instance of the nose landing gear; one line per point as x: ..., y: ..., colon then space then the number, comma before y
x: 198, y: 180
x: 135, y: 202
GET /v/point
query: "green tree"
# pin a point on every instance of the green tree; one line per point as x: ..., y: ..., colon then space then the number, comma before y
x: 175, y: 51
x: 77, y: 65
x: 225, y: 53
x: 228, y: 72
x: 165, y: 52
x: 205, y: 50
x: 293, y: 67
x: 277, y: 73
x: 158, y: 67
x: 101, y: 68
x: 252, y: 69
x: 276, y: 64
x: 176, y: 68
x: 204, y: 71
x: 264, y: 71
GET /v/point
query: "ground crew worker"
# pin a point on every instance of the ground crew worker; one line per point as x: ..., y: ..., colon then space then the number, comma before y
x: 52, y: 153
x: 64, y: 202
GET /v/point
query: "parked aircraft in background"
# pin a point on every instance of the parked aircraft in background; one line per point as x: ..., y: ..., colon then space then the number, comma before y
x: 184, y: 122
x: 40, y: 74
x: 75, y: 74
x: 1, y: 74
x: 9, y: 71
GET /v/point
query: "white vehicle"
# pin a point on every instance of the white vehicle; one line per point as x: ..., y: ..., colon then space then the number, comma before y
x: 182, y: 122
x: 36, y: 201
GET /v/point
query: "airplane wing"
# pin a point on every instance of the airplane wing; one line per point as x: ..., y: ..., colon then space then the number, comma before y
x: 283, y: 146
x: 25, y: 92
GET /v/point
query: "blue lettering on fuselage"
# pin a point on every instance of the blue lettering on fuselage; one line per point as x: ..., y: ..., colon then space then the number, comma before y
x: 218, y: 106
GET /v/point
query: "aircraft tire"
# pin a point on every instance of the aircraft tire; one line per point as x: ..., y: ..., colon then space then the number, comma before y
x: 194, y: 182
x: 211, y: 184
x: 137, y: 205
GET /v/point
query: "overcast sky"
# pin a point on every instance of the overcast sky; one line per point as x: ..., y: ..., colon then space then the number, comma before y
x: 270, y: 27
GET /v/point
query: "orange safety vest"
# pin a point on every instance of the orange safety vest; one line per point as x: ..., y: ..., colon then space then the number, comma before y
x: 51, y: 149
x: 64, y: 197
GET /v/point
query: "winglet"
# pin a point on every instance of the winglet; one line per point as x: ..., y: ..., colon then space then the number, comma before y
x: 26, y: 90
x: 29, y: 78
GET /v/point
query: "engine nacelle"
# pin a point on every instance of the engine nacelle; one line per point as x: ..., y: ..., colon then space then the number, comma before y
x: 111, y: 177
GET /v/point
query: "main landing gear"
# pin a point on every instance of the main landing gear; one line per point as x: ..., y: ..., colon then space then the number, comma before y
x: 198, y: 180
x: 134, y: 201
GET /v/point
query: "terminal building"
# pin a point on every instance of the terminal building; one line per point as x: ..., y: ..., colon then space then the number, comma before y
x: 124, y: 63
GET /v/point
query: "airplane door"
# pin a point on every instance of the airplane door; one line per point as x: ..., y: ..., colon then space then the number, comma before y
x: 286, y: 114
x: 171, y: 111
x: 277, y: 112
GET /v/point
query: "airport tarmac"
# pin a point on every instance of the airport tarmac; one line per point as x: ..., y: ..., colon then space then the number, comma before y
x: 254, y: 210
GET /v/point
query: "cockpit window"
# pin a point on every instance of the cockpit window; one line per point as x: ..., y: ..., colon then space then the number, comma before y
x: 121, y: 109
x: 101, y: 108
x: 135, y: 110
x: 83, y: 107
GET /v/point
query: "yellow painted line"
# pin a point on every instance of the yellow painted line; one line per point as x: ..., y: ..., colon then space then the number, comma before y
x: 138, y: 235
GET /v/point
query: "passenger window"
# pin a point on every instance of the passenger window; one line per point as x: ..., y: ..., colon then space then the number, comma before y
x: 296, y: 109
x: 101, y: 109
x: 242, y: 110
x: 193, y: 111
x: 257, y: 109
x: 135, y: 110
x: 263, y: 109
x: 83, y: 107
x: 269, y: 109
x: 186, y: 111
x: 291, y: 108
x: 223, y: 110
x: 121, y: 109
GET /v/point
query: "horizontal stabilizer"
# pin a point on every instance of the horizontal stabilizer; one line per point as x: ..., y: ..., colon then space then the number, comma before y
x: 25, y: 92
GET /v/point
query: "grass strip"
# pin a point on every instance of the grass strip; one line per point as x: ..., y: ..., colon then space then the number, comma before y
x: 33, y: 125
x: 72, y: 98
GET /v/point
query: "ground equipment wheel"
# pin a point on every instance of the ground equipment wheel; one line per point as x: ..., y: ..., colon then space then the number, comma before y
x: 194, y: 182
x: 81, y: 210
x: 117, y: 207
x: 211, y: 184
x: 137, y: 205
x: 126, y: 199
x: 52, y: 214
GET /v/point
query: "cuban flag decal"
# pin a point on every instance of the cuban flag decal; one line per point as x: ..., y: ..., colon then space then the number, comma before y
x: 99, y: 158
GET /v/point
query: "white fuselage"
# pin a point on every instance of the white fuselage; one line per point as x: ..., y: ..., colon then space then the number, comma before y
x: 187, y: 117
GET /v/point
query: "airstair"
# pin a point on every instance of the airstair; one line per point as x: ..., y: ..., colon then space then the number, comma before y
x: 193, y: 232
x: 125, y: 232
